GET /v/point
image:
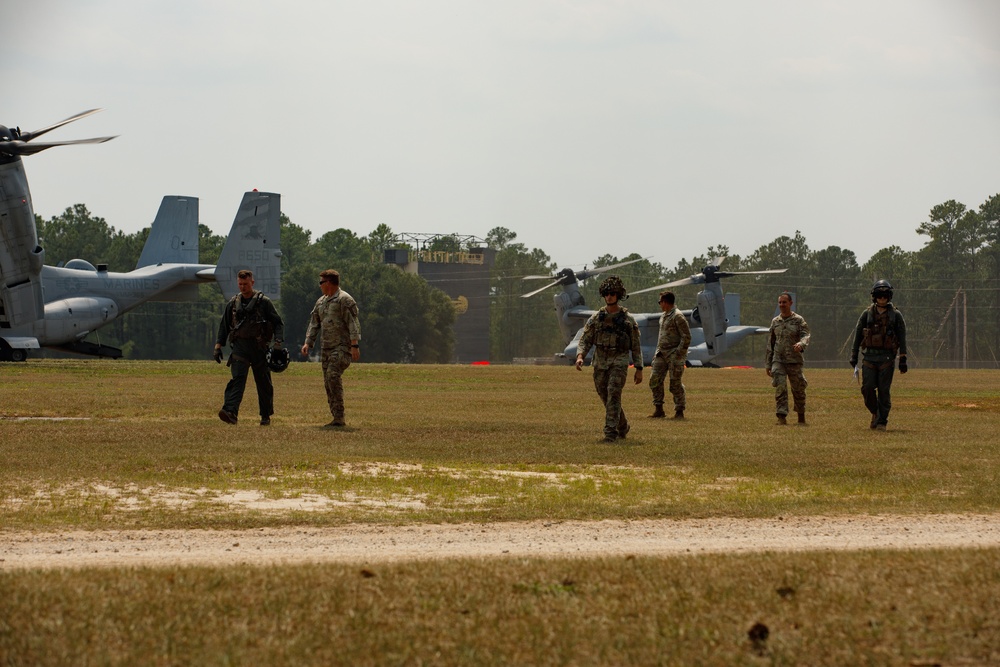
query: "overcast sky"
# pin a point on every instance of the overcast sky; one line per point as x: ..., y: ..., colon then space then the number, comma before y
x: 587, y: 128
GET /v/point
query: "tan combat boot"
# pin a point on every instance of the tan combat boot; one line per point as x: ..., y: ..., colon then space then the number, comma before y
x: 781, y: 420
x: 658, y: 413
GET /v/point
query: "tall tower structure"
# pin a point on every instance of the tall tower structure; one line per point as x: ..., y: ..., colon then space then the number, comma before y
x: 464, y: 275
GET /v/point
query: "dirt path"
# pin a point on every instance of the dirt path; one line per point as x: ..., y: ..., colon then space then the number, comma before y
x: 365, y: 544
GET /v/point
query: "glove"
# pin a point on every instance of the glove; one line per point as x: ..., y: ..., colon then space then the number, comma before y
x: 217, y: 355
x: 854, y: 362
x: 902, y: 364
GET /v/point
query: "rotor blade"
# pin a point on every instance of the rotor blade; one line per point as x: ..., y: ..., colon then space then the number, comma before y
x: 537, y: 277
x: 677, y: 283
x: 583, y: 275
x: 21, y: 148
x: 541, y: 289
x: 28, y: 136
x: 717, y: 260
x: 726, y: 274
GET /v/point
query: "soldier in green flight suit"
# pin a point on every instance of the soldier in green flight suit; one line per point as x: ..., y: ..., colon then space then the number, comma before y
x: 250, y: 323
x: 614, y: 335
x: 880, y: 333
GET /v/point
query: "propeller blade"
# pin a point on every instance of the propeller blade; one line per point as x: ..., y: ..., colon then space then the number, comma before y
x: 693, y: 280
x: 22, y: 148
x: 28, y: 136
x: 726, y: 274
x: 597, y: 270
x: 541, y: 289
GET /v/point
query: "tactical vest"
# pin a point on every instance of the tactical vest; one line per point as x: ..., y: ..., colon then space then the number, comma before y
x: 248, y: 321
x: 880, y: 334
x: 613, y: 332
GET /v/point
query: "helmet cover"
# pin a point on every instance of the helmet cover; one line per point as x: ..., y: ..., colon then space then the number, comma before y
x: 613, y: 285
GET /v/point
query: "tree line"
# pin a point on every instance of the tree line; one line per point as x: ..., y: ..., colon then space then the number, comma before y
x: 948, y: 291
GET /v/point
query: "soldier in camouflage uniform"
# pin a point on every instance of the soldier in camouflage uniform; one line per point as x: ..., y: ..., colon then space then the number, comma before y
x: 336, y: 312
x: 880, y: 333
x: 613, y: 334
x: 249, y: 323
x: 789, y: 337
x: 671, y: 353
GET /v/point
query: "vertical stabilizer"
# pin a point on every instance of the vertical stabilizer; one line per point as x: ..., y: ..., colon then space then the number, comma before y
x: 173, y: 238
x: 253, y: 244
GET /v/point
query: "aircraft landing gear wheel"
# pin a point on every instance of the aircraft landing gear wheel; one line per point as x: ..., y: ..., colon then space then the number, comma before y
x: 18, y: 355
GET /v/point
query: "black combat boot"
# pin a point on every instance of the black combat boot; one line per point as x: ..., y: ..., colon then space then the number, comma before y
x: 658, y: 412
x: 781, y: 420
x: 802, y: 418
x: 679, y: 413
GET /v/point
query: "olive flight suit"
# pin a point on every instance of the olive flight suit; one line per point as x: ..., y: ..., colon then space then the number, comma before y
x: 879, y: 336
x: 249, y: 326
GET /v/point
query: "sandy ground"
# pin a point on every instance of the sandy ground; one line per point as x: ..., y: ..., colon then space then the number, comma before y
x: 364, y: 544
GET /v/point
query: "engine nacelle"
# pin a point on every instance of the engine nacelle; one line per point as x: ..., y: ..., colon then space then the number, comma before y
x: 71, y: 319
x: 711, y: 308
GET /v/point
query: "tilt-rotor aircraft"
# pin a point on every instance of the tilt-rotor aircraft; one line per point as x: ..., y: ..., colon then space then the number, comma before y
x: 58, y: 307
x: 715, y: 323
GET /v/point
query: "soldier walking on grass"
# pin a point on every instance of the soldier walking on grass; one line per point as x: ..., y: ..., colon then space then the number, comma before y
x: 788, y: 339
x: 880, y: 333
x: 671, y: 353
x: 249, y: 323
x: 336, y: 313
x: 614, y: 334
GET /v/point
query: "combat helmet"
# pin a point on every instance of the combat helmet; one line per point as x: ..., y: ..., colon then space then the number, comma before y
x: 277, y: 359
x: 881, y: 288
x: 613, y: 285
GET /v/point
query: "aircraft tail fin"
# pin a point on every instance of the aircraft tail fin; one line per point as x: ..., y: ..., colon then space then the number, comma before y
x: 732, y: 309
x: 173, y: 238
x: 254, y: 244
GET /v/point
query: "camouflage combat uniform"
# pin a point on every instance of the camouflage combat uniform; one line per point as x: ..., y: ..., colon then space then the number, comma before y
x: 337, y: 316
x: 880, y: 336
x: 671, y: 353
x: 785, y: 363
x: 249, y: 325
x: 613, y: 338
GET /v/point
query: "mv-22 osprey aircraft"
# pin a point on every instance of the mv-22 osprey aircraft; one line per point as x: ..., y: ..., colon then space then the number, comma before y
x: 715, y: 323
x: 57, y: 307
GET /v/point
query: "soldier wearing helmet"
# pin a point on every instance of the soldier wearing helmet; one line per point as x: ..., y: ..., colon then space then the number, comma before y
x: 614, y: 335
x: 880, y: 334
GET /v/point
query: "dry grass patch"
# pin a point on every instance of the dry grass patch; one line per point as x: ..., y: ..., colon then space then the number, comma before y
x: 892, y: 608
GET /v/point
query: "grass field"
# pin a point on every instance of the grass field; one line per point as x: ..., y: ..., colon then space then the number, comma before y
x: 103, y: 445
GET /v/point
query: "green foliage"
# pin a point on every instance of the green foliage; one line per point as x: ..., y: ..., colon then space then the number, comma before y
x: 520, y: 327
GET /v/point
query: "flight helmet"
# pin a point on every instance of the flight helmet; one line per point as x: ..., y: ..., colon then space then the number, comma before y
x: 277, y: 359
x: 613, y: 285
x: 881, y: 288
